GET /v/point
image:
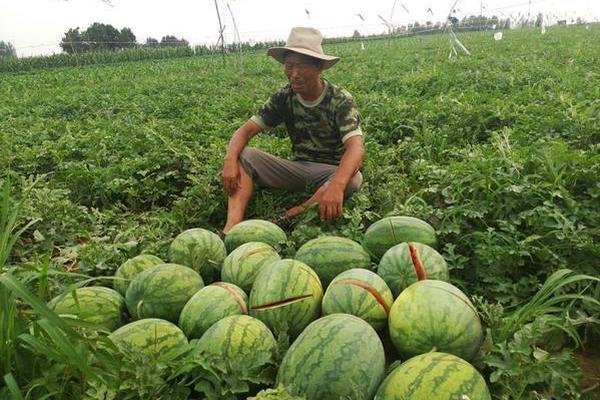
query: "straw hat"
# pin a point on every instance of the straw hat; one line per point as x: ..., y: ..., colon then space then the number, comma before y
x: 305, y: 41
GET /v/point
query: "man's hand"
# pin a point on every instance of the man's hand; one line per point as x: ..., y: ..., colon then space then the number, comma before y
x: 230, y: 176
x: 331, y: 203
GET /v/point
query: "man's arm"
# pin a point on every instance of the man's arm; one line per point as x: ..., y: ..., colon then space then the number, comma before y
x: 231, y: 170
x: 330, y: 205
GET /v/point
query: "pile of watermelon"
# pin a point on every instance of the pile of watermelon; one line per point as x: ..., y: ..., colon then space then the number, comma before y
x: 337, y: 302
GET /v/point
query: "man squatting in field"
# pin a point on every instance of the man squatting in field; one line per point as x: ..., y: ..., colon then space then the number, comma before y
x: 323, y: 124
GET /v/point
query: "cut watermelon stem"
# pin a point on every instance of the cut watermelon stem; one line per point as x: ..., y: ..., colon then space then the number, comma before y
x: 369, y: 289
x: 235, y: 295
x: 414, y: 256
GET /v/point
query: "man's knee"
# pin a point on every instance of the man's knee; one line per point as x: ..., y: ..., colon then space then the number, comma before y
x: 247, y: 159
x: 354, y: 184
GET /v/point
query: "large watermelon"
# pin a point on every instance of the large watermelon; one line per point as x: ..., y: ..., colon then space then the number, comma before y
x: 130, y: 268
x: 209, y: 305
x: 244, y: 263
x: 436, y: 315
x: 329, y: 256
x: 408, y: 262
x: 434, y: 376
x: 201, y: 250
x: 286, y: 296
x: 336, y: 357
x: 95, y: 304
x: 362, y: 293
x: 390, y: 231
x: 162, y: 291
x: 151, y: 336
x: 255, y: 230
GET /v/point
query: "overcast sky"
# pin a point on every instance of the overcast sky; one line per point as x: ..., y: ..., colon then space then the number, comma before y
x: 37, y: 26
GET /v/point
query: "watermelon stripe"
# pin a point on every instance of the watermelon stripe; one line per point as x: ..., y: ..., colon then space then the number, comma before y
x: 414, y: 256
x: 368, y: 288
x: 238, y: 299
x: 281, y: 303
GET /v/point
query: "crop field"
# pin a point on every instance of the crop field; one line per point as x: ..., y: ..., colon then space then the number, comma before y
x: 498, y: 151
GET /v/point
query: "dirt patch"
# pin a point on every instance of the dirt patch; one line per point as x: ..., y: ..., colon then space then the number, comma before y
x: 590, y: 366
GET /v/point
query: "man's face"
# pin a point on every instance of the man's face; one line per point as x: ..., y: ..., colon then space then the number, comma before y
x: 302, y: 73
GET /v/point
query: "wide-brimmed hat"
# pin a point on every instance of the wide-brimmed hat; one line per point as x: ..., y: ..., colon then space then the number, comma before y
x: 305, y: 41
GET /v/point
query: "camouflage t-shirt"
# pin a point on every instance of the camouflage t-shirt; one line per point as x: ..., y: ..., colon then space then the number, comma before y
x: 317, y: 129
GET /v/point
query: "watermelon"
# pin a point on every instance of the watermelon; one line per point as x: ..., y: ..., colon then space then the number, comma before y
x: 434, y: 376
x: 255, y: 230
x: 336, y: 357
x: 99, y: 305
x: 245, y: 262
x: 408, y: 262
x: 436, y: 315
x: 286, y: 296
x: 329, y: 256
x: 390, y: 231
x: 162, y: 291
x: 151, y: 336
x: 239, y: 340
x: 201, y: 250
x: 362, y: 293
x: 209, y: 305
x: 130, y: 268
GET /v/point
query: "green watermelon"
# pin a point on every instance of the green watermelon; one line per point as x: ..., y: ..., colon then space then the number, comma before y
x: 286, y: 296
x: 434, y: 376
x: 255, y: 230
x: 329, y: 256
x: 162, y: 291
x: 130, y: 268
x: 151, y: 336
x: 201, y: 250
x: 436, y: 315
x: 362, y: 293
x: 390, y: 231
x: 209, y: 305
x: 95, y: 304
x: 336, y: 357
x: 408, y: 262
x: 245, y: 262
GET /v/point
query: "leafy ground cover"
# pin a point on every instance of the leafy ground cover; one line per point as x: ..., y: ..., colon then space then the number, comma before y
x: 498, y: 151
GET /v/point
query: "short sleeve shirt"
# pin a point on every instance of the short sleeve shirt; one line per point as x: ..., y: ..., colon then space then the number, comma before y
x: 317, y: 129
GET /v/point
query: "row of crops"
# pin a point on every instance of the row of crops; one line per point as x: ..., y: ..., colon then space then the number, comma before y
x: 498, y: 152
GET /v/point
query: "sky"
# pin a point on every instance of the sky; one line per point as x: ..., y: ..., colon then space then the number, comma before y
x: 35, y: 27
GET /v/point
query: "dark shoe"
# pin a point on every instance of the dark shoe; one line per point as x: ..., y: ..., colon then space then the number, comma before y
x: 283, y: 221
x: 221, y: 234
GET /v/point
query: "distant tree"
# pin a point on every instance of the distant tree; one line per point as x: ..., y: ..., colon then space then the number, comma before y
x: 172, y: 41
x: 7, y: 50
x: 539, y: 20
x: 73, y: 42
x: 126, y: 39
x: 102, y: 36
x: 356, y: 34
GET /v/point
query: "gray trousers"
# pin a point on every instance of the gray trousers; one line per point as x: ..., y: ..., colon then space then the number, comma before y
x: 297, y: 176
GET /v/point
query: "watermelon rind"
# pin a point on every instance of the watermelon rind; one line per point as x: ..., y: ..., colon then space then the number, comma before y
x: 255, y: 230
x: 361, y: 293
x: 98, y: 305
x: 434, y: 376
x: 390, y: 231
x: 433, y: 314
x: 151, y: 336
x: 162, y: 291
x: 329, y: 256
x: 209, y: 305
x: 243, y: 264
x: 201, y: 250
x: 336, y: 357
x: 130, y: 268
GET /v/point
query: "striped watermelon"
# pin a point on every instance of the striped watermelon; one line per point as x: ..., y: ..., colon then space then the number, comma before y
x: 209, y: 305
x: 95, y: 304
x: 130, y: 268
x: 390, y: 231
x: 336, y: 357
x: 201, y: 250
x: 286, y: 296
x: 329, y: 256
x: 434, y: 376
x: 255, y: 230
x: 362, y: 293
x: 240, y: 340
x: 245, y: 262
x: 162, y: 291
x: 151, y: 336
x: 436, y: 315
x: 408, y: 262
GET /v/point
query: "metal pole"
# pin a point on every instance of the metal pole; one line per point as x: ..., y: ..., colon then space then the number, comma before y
x: 221, y: 38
